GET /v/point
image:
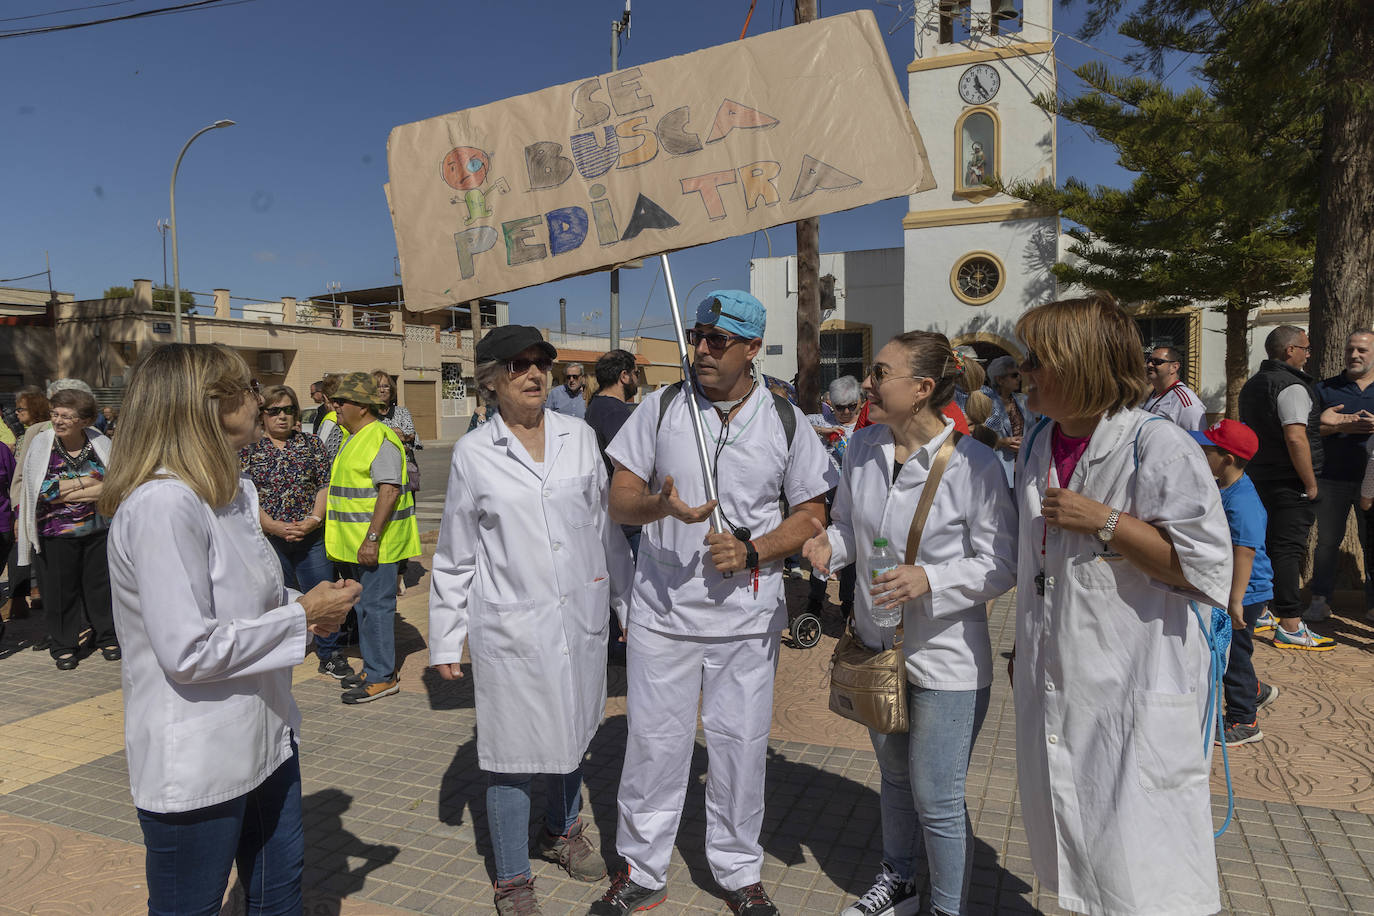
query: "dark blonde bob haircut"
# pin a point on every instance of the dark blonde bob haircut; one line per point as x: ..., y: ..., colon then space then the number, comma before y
x: 171, y: 423
x: 1093, y: 347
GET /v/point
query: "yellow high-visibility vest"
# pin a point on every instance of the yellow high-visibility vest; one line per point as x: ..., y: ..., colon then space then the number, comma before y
x: 352, y: 499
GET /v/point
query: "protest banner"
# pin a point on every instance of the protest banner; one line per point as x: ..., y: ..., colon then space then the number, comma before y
x: 663, y: 156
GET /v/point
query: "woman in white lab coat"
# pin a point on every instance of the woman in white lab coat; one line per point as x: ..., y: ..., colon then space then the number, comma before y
x: 1121, y: 527
x: 209, y: 636
x: 526, y: 572
x: 967, y: 557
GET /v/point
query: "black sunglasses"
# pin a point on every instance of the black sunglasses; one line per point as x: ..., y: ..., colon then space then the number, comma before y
x: 278, y: 411
x: 714, y: 340
x: 520, y: 365
x: 1156, y: 361
x: 853, y: 406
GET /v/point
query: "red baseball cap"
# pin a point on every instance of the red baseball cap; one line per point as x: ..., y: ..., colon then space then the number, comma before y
x: 1230, y: 436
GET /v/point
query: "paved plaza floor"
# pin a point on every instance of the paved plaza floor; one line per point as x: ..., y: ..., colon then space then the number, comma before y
x: 395, y: 816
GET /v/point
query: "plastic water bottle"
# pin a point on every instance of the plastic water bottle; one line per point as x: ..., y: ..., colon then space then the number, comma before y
x: 880, y: 561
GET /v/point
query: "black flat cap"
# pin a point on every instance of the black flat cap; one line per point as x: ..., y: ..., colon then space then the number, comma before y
x: 510, y: 340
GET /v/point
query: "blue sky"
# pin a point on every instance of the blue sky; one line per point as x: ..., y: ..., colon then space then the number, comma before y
x: 290, y: 200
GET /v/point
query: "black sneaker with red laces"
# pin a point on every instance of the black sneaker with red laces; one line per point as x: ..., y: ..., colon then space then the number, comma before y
x: 750, y: 901
x: 624, y: 896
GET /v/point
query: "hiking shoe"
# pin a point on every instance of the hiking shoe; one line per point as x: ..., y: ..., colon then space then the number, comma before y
x: 624, y: 896
x: 1266, y: 695
x: 1239, y: 733
x: 366, y: 693
x: 574, y: 852
x: 1318, y: 610
x: 750, y: 901
x: 1304, y: 638
x: 516, y: 898
x: 351, y: 680
x: 889, y: 896
x: 1266, y: 621
x: 336, y: 666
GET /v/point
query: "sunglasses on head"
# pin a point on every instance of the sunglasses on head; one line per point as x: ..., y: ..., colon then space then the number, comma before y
x: 715, y: 340
x: 278, y: 411
x: 520, y: 365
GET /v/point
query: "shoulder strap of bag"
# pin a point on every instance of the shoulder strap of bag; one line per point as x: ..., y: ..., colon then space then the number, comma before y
x: 918, y: 522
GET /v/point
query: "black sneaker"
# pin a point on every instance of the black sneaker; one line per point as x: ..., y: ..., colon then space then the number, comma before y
x: 889, y: 896
x: 350, y: 680
x: 1267, y: 694
x: 750, y: 901
x: 624, y: 896
x: 336, y: 666
x: 1242, y: 734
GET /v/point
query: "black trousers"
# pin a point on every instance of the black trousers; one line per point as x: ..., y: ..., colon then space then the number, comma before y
x: 1240, y: 683
x: 75, y: 579
x: 1291, y: 515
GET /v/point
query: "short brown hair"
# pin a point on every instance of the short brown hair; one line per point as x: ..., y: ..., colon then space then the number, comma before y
x: 77, y: 400
x: 1094, y: 348
x: 33, y: 400
x: 930, y: 356
x: 275, y: 393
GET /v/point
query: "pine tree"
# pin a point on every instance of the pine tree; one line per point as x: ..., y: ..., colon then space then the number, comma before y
x: 1214, y: 216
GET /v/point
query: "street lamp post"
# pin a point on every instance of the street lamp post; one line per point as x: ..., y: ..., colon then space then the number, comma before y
x: 176, y: 265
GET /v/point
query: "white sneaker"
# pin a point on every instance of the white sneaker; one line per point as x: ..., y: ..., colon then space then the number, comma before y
x: 1318, y: 610
x: 889, y: 896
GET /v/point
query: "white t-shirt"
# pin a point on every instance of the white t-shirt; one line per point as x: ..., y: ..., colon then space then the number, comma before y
x: 677, y: 589
x: 1295, y: 405
x: 1180, y: 404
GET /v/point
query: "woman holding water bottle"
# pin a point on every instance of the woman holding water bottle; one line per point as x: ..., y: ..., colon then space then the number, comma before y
x: 967, y: 556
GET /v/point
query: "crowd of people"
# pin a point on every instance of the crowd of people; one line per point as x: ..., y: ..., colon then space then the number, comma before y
x: 215, y: 539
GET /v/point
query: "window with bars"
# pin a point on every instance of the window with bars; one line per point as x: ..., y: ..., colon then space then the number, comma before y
x: 843, y: 352
x: 452, y: 387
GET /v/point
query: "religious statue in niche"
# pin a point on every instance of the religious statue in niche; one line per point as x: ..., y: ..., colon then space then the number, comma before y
x: 978, y: 139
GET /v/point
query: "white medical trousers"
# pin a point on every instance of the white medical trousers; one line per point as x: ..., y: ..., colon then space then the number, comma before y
x: 733, y: 677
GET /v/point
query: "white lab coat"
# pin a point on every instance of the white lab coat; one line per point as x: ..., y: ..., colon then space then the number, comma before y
x: 529, y: 567
x: 968, y: 550
x: 1111, y: 679
x: 210, y: 637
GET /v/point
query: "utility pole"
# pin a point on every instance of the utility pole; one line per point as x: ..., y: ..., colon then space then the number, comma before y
x: 808, y: 286
x: 621, y: 25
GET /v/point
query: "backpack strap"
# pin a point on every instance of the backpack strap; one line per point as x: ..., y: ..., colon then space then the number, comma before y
x: 783, y: 406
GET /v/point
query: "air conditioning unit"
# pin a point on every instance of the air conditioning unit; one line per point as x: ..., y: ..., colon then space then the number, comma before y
x: 271, y: 362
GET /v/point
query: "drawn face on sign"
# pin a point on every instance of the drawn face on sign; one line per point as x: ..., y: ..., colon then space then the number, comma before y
x: 465, y: 168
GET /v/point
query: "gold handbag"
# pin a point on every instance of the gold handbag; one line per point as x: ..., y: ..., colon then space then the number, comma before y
x: 867, y: 686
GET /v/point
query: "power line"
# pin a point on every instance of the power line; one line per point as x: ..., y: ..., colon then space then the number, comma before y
x: 180, y: 8
x: 71, y: 9
x: 41, y: 273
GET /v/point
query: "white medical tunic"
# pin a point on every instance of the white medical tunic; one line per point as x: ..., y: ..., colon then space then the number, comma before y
x: 1111, y: 678
x: 677, y: 589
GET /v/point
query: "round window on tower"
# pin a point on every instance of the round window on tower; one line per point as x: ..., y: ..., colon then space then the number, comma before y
x: 977, y: 277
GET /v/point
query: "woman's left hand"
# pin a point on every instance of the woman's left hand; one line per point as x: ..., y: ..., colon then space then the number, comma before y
x: 1073, y: 511
x: 899, y: 585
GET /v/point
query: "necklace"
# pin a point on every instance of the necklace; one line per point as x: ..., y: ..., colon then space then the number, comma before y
x: 74, y: 462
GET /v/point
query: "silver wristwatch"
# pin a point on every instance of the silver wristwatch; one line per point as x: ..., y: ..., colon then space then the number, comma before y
x: 1105, y: 533
x: 374, y: 538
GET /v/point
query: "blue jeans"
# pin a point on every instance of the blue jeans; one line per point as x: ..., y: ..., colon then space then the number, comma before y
x: 508, y: 816
x: 190, y: 853
x: 1239, y: 683
x: 376, y: 609
x: 922, y: 794
x: 304, y: 565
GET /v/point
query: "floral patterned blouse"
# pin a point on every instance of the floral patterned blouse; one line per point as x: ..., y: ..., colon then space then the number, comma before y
x: 68, y: 520
x: 287, y: 478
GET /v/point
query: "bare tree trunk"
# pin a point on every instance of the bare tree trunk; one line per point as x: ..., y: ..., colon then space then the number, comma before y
x: 808, y: 287
x: 1343, y: 276
x: 1237, y: 354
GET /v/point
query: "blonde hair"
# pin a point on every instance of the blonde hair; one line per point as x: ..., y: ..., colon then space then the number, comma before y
x: 978, y: 407
x: 171, y: 420
x: 381, y: 376
x: 1093, y: 347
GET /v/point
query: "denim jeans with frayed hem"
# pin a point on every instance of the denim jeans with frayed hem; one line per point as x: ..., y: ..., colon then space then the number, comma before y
x: 508, y: 816
x: 190, y: 853
x: 922, y: 794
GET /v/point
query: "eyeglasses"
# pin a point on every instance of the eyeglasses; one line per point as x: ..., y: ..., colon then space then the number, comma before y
x: 340, y: 402
x: 1301, y: 347
x: 714, y: 339
x: 1156, y: 361
x: 572, y: 377
x: 1031, y: 362
x: 520, y: 365
x: 854, y: 406
x: 278, y: 411
x: 255, y: 387
x: 878, y: 372
x: 64, y: 418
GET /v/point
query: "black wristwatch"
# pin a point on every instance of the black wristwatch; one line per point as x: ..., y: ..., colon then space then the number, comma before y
x: 751, y: 556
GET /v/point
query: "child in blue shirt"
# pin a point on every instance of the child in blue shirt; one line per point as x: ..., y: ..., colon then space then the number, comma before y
x: 1228, y: 445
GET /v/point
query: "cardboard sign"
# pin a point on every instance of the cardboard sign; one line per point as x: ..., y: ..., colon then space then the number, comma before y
x: 666, y: 155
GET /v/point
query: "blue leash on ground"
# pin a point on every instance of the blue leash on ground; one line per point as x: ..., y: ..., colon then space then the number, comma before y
x: 1218, y: 637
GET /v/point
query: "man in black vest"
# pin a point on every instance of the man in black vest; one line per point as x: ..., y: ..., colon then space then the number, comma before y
x: 1280, y: 404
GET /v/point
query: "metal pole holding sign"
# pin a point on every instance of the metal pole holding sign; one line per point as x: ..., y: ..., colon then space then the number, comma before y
x: 707, y: 475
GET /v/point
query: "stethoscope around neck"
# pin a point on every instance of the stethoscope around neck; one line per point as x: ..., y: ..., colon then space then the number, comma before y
x: 724, y: 410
